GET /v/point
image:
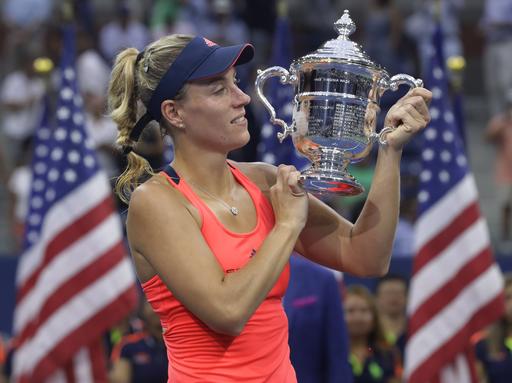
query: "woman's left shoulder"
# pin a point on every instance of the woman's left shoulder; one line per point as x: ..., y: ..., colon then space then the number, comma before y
x: 261, y: 173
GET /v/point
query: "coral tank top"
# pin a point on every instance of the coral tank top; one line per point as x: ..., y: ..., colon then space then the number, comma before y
x: 195, y: 352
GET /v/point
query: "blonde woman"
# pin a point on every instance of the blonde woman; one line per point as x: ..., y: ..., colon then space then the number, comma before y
x: 211, y: 238
x: 372, y: 357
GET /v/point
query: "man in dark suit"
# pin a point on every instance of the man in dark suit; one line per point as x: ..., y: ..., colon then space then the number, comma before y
x: 317, y: 332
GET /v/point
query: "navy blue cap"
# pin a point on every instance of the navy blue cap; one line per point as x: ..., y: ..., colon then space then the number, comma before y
x: 200, y: 59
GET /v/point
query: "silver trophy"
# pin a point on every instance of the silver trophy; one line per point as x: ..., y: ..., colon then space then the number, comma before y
x: 337, y: 94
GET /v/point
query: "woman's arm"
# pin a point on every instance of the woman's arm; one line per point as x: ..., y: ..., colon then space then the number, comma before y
x: 364, y: 248
x: 163, y: 230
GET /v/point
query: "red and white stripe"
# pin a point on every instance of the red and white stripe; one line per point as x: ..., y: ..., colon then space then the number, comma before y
x: 456, y: 287
x: 73, y: 284
x: 87, y: 366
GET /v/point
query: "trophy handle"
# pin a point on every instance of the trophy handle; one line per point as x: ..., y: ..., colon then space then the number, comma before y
x: 285, y: 78
x: 402, y: 79
x: 393, y: 83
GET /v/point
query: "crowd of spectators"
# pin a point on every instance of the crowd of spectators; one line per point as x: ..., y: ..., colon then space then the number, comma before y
x: 394, y: 36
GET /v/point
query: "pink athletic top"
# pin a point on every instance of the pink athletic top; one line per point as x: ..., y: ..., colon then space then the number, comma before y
x: 195, y: 352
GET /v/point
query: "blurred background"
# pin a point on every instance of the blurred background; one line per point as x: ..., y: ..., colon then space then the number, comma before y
x: 477, y: 40
x: 393, y: 33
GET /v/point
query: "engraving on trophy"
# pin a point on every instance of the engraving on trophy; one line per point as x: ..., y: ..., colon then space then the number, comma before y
x: 348, y: 120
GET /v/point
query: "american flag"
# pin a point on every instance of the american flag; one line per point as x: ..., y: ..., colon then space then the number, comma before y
x: 456, y: 287
x: 270, y: 150
x: 74, y: 280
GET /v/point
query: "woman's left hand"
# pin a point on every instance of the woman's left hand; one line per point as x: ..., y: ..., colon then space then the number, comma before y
x: 407, y: 117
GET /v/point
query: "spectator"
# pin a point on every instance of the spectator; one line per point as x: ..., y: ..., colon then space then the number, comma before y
x: 391, y: 299
x: 27, y: 13
x: 140, y: 357
x: 93, y: 76
x: 497, y: 26
x: 372, y: 358
x: 317, y: 331
x: 191, y: 16
x: 260, y: 17
x: 312, y: 24
x: 421, y: 24
x: 223, y: 26
x: 19, y: 191
x: 403, y: 246
x: 6, y: 366
x: 499, y: 132
x: 122, y: 32
x: 3, y: 358
x: 93, y: 72
x: 163, y: 17
x: 383, y: 37
x: 385, y: 43
x: 494, y: 349
x: 21, y: 96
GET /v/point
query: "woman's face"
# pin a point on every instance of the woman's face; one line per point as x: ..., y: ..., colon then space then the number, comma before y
x: 213, y: 112
x: 358, y: 315
x: 392, y: 297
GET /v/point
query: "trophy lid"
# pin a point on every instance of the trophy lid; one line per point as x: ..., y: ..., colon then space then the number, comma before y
x: 342, y: 49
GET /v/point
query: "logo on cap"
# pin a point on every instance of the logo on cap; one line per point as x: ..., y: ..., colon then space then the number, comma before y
x: 209, y: 42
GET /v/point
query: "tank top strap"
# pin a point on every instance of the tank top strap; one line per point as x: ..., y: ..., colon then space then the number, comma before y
x: 246, y: 182
x: 175, y: 180
x: 171, y: 175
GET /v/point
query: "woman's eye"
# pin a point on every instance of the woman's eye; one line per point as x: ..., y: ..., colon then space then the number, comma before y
x: 236, y: 80
x: 219, y: 90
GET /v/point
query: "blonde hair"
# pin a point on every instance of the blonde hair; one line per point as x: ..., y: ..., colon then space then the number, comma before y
x: 132, y: 82
x: 376, y: 337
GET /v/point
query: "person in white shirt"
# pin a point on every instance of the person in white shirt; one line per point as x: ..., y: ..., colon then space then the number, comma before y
x: 21, y: 95
x: 124, y: 31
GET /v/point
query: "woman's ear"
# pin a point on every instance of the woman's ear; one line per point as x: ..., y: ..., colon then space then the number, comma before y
x: 170, y: 111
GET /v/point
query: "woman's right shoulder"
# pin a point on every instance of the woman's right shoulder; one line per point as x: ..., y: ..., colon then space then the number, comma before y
x: 152, y: 192
x: 156, y: 198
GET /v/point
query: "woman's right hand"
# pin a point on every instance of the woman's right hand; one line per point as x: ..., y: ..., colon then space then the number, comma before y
x: 289, y: 199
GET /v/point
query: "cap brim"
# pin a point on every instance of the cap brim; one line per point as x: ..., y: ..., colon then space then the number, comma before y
x: 222, y: 59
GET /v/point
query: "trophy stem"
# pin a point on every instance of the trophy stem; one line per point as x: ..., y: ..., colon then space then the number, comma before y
x: 328, y: 174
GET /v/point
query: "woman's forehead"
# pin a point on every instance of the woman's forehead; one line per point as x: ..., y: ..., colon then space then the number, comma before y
x: 220, y: 77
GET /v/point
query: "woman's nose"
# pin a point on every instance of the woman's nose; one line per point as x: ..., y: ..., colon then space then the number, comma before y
x: 242, y: 98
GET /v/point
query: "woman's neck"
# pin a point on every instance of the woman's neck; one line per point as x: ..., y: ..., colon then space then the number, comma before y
x: 394, y: 323
x: 358, y: 342
x: 359, y: 347
x: 208, y: 170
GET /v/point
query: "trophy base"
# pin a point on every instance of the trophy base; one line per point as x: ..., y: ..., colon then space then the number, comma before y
x: 330, y: 183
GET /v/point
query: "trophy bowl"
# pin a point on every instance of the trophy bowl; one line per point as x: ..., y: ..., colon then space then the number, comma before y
x: 337, y: 94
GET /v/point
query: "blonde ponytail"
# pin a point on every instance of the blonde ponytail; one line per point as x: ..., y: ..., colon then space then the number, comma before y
x: 132, y: 83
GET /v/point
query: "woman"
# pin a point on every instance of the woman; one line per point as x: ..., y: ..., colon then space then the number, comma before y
x: 211, y: 238
x: 372, y: 358
x: 494, y: 349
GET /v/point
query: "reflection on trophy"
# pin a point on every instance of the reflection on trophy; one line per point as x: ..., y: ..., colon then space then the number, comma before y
x: 337, y: 94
